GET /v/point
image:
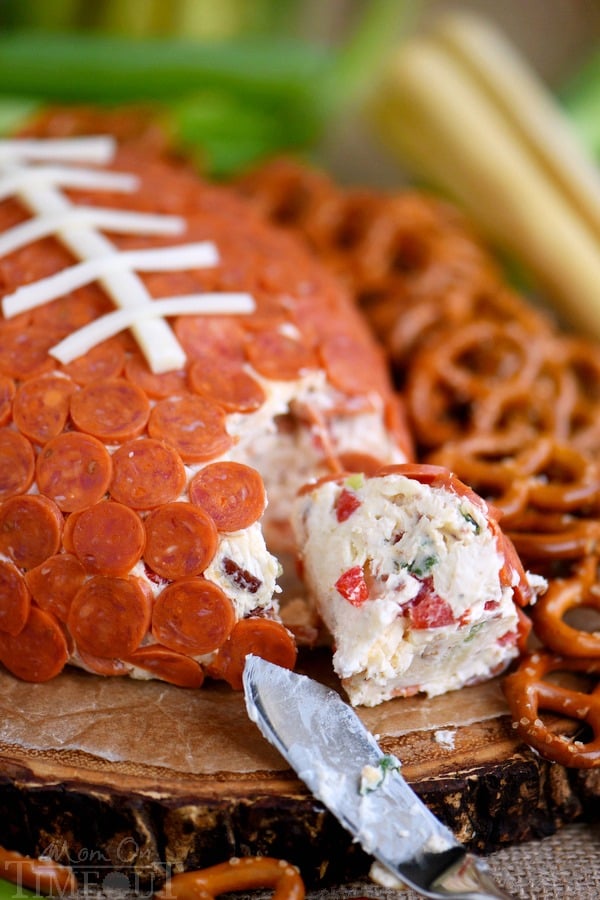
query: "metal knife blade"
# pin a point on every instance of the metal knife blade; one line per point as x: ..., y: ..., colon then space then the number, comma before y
x: 330, y: 749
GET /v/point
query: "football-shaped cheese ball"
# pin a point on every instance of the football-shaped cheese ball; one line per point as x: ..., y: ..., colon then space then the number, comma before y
x: 172, y: 369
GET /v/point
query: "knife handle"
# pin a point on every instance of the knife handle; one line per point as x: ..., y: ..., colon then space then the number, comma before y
x: 468, y: 878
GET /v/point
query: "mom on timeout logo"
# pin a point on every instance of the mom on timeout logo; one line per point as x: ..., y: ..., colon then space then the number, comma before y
x: 96, y: 875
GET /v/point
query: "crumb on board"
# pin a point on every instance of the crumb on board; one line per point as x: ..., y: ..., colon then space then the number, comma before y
x: 445, y: 737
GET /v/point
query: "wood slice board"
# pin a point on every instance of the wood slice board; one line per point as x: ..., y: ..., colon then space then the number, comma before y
x: 135, y: 776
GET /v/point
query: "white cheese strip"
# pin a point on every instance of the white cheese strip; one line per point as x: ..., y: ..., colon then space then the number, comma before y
x: 155, y: 338
x: 158, y: 343
x: 82, y: 340
x: 20, y: 179
x: 39, y: 188
x: 98, y: 149
x: 154, y: 259
x: 119, y: 221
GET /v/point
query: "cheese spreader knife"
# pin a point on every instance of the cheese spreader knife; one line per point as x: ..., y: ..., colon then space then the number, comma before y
x: 330, y: 749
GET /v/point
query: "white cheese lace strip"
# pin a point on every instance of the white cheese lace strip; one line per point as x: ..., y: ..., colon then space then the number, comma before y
x: 155, y: 259
x: 82, y: 340
x: 154, y: 336
x: 98, y: 149
x: 118, y: 221
x: 23, y: 179
x: 39, y: 187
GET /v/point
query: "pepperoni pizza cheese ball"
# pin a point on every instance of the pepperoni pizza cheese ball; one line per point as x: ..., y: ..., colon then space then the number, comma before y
x: 416, y: 583
x: 164, y: 356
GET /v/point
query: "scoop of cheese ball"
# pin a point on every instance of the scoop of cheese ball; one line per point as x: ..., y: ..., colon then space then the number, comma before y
x: 413, y: 578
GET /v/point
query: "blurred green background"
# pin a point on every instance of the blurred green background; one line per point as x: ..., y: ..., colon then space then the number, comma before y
x: 238, y: 80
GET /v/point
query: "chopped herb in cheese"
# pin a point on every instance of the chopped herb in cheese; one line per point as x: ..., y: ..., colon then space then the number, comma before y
x: 372, y: 777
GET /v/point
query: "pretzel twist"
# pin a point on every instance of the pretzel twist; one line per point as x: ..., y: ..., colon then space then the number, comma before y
x: 45, y: 876
x: 493, y: 390
x: 509, y: 409
x: 237, y: 874
x: 548, y: 492
x: 580, y: 360
x: 497, y: 466
x: 562, y: 596
x: 543, y: 539
x: 527, y: 693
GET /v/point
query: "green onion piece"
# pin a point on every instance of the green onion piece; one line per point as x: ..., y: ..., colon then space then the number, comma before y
x: 423, y: 566
x: 355, y: 481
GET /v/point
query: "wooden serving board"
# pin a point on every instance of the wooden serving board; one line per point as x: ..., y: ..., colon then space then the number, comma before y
x: 135, y: 776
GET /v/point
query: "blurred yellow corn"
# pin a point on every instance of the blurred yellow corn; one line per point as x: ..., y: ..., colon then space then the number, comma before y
x: 463, y: 111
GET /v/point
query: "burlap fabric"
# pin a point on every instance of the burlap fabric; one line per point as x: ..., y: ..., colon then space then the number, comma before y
x: 565, y: 866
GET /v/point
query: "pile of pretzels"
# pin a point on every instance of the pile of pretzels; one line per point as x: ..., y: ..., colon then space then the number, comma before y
x: 497, y: 392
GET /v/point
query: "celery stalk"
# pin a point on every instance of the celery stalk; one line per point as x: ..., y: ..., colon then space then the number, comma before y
x: 580, y: 98
x: 40, y: 14
x: 14, y: 111
x: 381, y: 26
x: 134, y: 19
x: 205, y: 18
x: 227, y: 102
x: 10, y: 891
x: 264, y: 92
x: 108, y: 69
x: 225, y: 134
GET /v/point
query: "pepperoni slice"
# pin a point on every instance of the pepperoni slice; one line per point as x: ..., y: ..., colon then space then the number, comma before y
x: 30, y: 529
x: 54, y: 583
x: 439, y: 477
x: 162, y: 385
x: 217, y: 336
x: 512, y: 573
x: 146, y: 474
x: 75, y: 309
x: 109, y: 616
x: 192, y: 616
x: 279, y: 357
x: 7, y: 393
x: 181, y: 540
x: 113, y: 410
x: 195, y: 426
x: 262, y: 637
x: 39, y: 651
x: 105, y: 360
x: 350, y: 366
x: 67, y: 536
x: 41, y: 407
x: 98, y: 665
x: 15, y: 599
x: 354, y: 461
x: 396, y: 422
x: 24, y: 352
x: 168, y: 665
x: 75, y: 470
x: 227, y: 384
x: 17, y: 463
x: 108, y: 538
x: 231, y: 493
